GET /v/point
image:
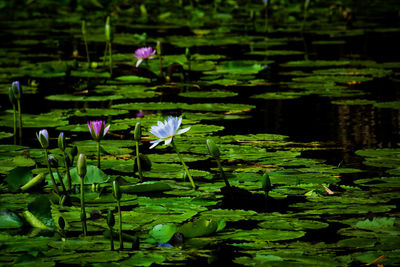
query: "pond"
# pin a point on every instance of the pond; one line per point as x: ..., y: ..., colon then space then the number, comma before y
x: 267, y: 133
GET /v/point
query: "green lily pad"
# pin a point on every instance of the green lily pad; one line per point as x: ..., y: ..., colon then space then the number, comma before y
x: 18, y: 177
x: 83, y: 98
x: 208, y: 94
x: 93, y: 175
x: 262, y: 235
x: 9, y: 220
x: 184, y: 106
x: 4, y: 135
x: 315, y: 63
x: 198, y: 228
x: 163, y: 232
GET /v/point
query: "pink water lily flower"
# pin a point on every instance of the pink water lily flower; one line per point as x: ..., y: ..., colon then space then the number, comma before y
x: 144, y: 53
x: 97, y: 129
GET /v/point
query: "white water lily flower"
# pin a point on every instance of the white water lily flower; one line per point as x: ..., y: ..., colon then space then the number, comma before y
x: 167, y: 130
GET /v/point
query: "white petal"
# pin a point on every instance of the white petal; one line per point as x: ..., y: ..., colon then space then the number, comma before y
x: 156, y: 132
x: 138, y: 62
x: 106, y: 130
x: 181, y: 131
x: 168, y: 141
x: 155, y: 142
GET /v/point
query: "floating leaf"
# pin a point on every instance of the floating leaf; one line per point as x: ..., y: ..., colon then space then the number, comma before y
x: 18, y: 177
x: 9, y: 219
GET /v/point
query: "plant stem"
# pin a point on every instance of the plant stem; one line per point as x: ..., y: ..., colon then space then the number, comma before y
x: 223, y: 173
x: 87, y: 50
x: 110, y: 59
x: 111, y: 239
x: 98, y: 154
x: 161, y: 72
x: 15, y: 125
x: 84, y: 227
x: 51, y: 173
x: 20, y: 121
x: 138, y: 162
x: 121, y: 243
x: 68, y: 175
x: 105, y: 54
x: 61, y: 181
x: 184, y: 165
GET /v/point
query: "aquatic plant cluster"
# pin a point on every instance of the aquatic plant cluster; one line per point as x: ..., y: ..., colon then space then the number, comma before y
x: 245, y: 133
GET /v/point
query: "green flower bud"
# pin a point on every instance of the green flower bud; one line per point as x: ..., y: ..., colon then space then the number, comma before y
x: 17, y: 89
x: 108, y: 30
x: 53, y: 162
x: 137, y: 132
x: 82, y: 166
x: 159, y: 47
x: 213, y: 149
x: 11, y: 96
x: 266, y: 183
x: 116, y: 190
x: 187, y: 53
x: 110, y: 219
x: 61, y: 141
x: 84, y: 32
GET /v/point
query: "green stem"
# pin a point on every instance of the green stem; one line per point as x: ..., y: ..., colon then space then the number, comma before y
x: 110, y: 59
x: 111, y: 239
x: 51, y: 173
x: 61, y: 181
x: 87, y: 50
x: 121, y: 243
x: 105, y: 54
x: 161, y: 72
x: 184, y: 165
x: 20, y: 122
x: 138, y: 162
x: 84, y: 227
x: 15, y: 125
x: 68, y: 175
x: 98, y: 154
x: 223, y: 173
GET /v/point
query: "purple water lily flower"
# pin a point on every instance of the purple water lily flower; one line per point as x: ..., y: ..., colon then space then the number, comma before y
x: 97, y: 129
x: 167, y: 130
x: 144, y: 53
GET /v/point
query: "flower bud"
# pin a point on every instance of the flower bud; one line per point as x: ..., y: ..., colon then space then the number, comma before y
x: 108, y: 30
x: 213, y: 149
x: 138, y: 132
x: 187, y: 53
x: 43, y: 137
x: 11, y: 96
x: 84, y: 32
x: 82, y: 166
x: 159, y: 47
x: 17, y: 89
x: 266, y: 183
x: 116, y: 190
x: 110, y: 219
x: 53, y: 162
x: 61, y: 141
